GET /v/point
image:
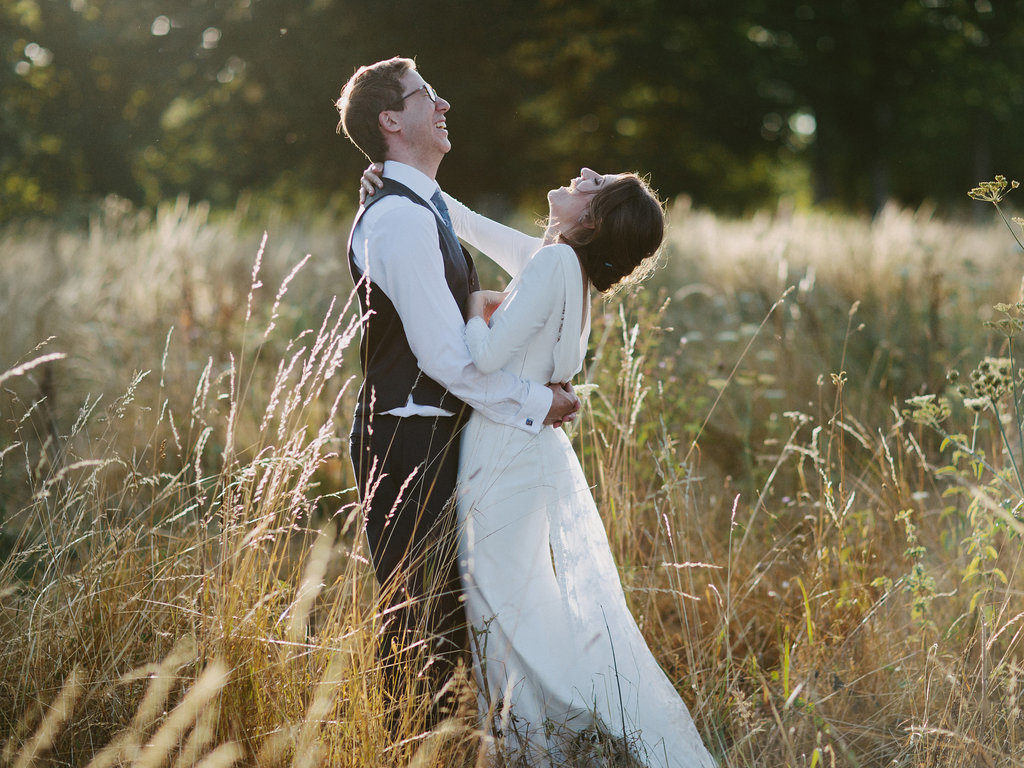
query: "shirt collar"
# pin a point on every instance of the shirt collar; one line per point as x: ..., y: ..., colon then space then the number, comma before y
x: 416, y: 180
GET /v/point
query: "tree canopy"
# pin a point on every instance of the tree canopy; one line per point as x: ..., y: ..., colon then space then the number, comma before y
x: 849, y: 102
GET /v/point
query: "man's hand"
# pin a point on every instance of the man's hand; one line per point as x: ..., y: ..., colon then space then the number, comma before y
x: 564, y: 404
x: 370, y: 181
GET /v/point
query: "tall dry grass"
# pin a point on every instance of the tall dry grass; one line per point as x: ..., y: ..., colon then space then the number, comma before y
x: 184, y: 578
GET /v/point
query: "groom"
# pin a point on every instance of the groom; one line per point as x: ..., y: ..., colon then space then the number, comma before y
x: 413, y: 279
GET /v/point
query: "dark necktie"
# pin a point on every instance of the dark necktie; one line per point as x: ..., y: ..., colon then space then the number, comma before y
x: 442, y: 209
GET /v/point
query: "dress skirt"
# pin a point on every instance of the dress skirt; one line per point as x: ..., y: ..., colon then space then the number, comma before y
x: 558, y: 652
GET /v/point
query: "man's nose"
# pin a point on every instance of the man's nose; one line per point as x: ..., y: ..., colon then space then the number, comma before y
x: 441, y: 105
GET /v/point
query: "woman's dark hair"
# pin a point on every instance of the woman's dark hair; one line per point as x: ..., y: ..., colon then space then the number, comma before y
x: 371, y: 90
x: 628, y: 227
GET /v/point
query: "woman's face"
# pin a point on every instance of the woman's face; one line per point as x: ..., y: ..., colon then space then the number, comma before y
x: 567, y: 206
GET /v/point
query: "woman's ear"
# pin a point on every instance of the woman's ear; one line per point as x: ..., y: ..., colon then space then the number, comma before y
x: 587, y: 220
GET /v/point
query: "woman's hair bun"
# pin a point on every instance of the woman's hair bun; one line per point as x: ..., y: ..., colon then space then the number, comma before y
x: 628, y: 227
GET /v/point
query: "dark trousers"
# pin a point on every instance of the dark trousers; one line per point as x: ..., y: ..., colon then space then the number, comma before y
x: 405, y: 471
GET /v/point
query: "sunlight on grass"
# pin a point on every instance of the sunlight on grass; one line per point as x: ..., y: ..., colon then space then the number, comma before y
x: 826, y: 580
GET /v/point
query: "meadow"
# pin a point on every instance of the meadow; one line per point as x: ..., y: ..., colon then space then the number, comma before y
x: 829, y: 573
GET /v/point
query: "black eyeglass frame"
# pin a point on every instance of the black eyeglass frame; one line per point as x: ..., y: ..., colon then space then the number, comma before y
x: 427, y: 88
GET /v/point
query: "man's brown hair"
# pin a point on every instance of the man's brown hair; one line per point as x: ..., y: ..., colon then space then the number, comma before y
x: 370, y: 91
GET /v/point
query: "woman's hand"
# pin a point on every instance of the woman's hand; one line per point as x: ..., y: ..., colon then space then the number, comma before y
x: 483, y: 303
x: 370, y: 181
x: 566, y: 386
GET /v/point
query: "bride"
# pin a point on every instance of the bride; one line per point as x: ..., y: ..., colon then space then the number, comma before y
x: 557, y: 652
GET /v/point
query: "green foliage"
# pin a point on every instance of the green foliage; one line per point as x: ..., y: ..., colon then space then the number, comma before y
x: 984, y: 473
x: 733, y: 104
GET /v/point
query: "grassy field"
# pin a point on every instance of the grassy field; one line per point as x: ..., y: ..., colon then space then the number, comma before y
x: 831, y: 575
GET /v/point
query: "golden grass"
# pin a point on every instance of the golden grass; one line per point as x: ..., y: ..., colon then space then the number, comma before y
x: 185, y: 581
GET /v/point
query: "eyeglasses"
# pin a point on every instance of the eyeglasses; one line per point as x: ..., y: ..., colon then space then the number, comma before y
x: 431, y: 93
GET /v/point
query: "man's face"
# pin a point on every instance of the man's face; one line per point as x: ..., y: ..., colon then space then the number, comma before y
x: 422, y: 122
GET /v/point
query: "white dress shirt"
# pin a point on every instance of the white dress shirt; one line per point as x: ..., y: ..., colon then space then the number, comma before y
x: 395, y: 245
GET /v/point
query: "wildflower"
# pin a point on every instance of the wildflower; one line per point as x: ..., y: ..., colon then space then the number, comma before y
x: 797, y: 417
x: 976, y: 404
x: 928, y: 409
x: 992, y: 191
x: 1008, y: 326
x: 1011, y: 324
x: 992, y: 379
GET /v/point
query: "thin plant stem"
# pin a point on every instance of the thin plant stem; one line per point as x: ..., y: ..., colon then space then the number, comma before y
x: 1006, y: 444
x: 732, y: 373
x: 972, y: 452
x: 1016, y: 411
x: 1007, y: 223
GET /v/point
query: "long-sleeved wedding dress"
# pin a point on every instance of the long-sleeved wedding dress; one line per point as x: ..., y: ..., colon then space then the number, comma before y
x: 557, y: 651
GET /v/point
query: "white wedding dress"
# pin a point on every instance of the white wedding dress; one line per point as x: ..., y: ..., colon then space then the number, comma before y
x: 557, y: 651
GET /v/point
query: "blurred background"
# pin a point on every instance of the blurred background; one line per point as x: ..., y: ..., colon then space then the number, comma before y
x: 174, y: 210
x: 736, y: 104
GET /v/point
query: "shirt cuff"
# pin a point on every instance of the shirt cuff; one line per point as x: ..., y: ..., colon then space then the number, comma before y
x: 476, y: 331
x: 538, y: 402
